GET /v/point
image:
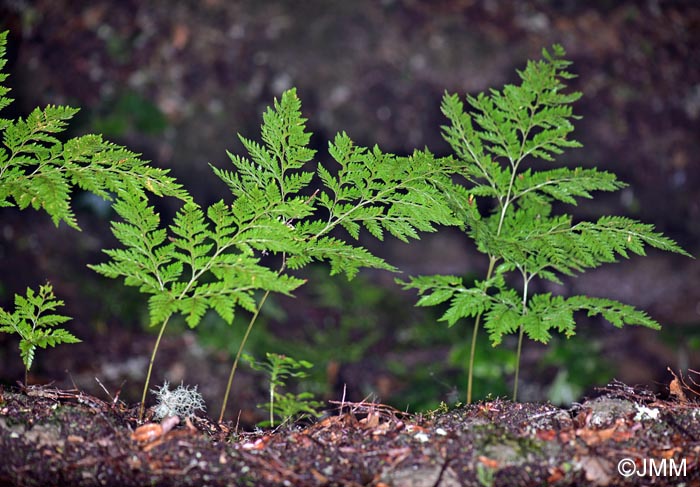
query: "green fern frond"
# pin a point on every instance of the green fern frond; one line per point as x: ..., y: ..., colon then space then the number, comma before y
x: 35, y: 322
x: 286, y: 406
x: 507, y: 209
x: 379, y: 192
x: 203, y: 262
x: 4, y: 90
x: 619, y: 234
x: 383, y: 192
x: 342, y: 257
x: 467, y: 303
x: 432, y: 289
x: 38, y: 170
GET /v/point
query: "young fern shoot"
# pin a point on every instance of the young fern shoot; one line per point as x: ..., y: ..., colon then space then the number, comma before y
x: 374, y: 190
x: 210, y: 259
x: 35, y: 322
x: 206, y: 262
x: 287, y: 405
x: 505, y: 131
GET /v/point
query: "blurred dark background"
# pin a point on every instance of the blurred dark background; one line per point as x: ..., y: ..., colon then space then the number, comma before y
x: 177, y: 80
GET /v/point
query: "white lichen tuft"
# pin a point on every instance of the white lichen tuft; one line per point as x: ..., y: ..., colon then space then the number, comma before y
x: 182, y: 402
x: 644, y: 412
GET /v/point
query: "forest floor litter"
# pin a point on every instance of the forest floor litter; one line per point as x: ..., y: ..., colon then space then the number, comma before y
x: 57, y: 437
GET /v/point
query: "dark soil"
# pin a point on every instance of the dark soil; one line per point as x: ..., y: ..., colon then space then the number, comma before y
x: 54, y: 437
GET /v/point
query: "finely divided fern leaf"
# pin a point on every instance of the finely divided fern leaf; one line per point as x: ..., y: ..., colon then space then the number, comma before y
x: 4, y: 100
x: 35, y: 321
x: 209, y: 258
x: 38, y: 170
x: 202, y: 264
x: 514, y: 224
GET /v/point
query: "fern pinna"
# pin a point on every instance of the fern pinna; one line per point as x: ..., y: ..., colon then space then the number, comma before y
x: 502, y: 133
x: 38, y: 170
x: 210, y: 258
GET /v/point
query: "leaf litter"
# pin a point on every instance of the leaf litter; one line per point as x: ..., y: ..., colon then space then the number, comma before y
x: 58, y: 437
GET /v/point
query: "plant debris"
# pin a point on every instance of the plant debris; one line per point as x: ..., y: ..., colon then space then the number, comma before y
x: 57, y: 437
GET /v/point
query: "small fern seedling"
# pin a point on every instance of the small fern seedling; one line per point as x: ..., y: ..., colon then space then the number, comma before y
x: 285, y: 405
x: 507, y: 209
x: 36, y: 323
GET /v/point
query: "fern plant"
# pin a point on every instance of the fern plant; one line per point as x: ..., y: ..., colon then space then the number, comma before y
x: 38, y: 170
x: 285, y: 405
x: 35, y: 322
x: 210, y: 258
x: 507, y: 209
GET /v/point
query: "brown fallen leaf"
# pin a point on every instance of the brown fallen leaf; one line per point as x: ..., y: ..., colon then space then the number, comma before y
x: 372, y: 420
x: 546, y: 435
x: 597, y: 470
x: 147, y: 433
x: 152, y: 431
x: 667, y: 453
x: 493, y: 464
x: 258, y: 444
x: 596, y: 436
x: 180, y: 36
x: 320, y: 478
x: 675, y: 388
x: 555, y: 475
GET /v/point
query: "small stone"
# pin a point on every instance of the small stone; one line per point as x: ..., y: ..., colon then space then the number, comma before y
x: 422, y: 437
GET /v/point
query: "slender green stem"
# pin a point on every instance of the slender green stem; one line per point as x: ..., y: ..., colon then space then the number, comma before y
x: 492, y: 262
x: 517, y: 363
x: 526, y: 281
x: 239, y: 353
x: 142, y: 407
x: 472, y: 352
x: 272, y: 404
